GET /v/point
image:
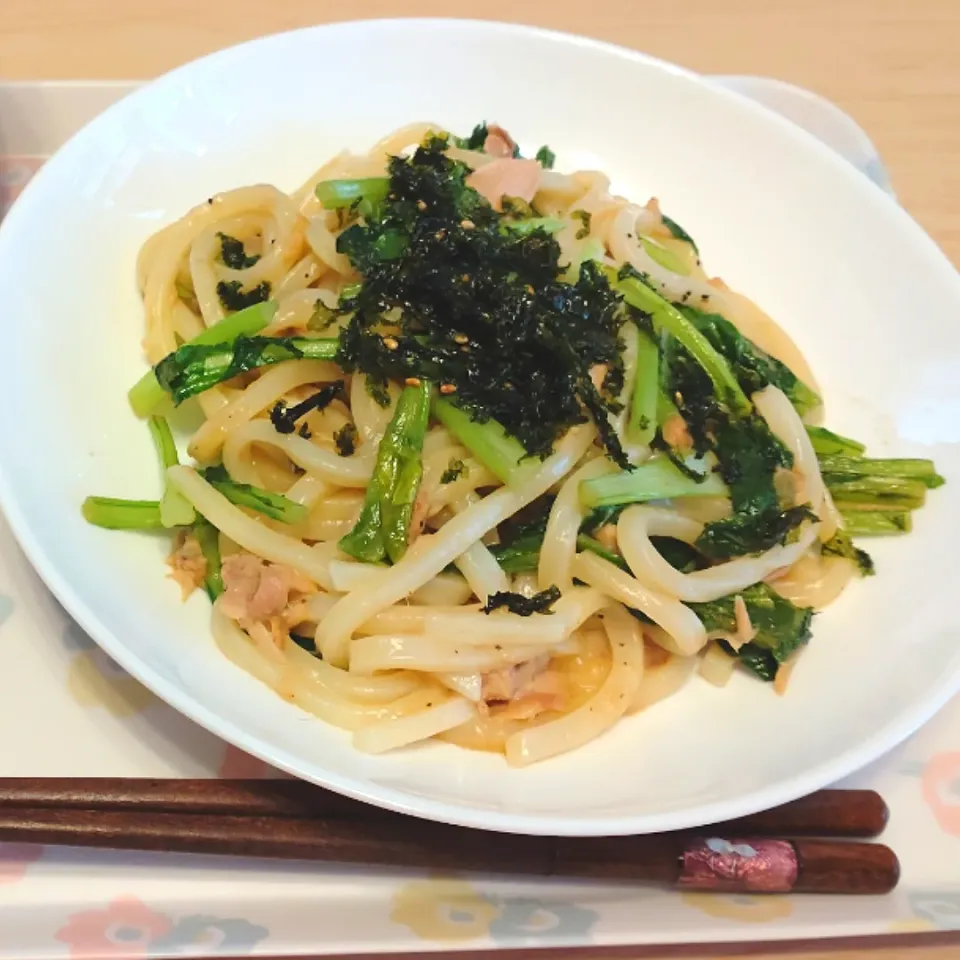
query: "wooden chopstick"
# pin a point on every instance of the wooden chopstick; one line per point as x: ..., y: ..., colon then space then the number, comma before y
x: 693, y: 863
x: 857, y: 814
x: 291, y: 819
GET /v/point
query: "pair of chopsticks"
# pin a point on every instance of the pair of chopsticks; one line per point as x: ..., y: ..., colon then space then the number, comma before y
x: 291, y: 819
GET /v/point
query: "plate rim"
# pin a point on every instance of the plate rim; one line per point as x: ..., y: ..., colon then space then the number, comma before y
x: 852, y: 760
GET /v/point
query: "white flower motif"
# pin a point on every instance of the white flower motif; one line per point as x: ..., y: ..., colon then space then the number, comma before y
x: 717, y: 845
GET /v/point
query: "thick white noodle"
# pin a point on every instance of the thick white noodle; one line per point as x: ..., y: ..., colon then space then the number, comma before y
x: 247, y: 532
x: 411, y: 572
x: 371, y: 419
x: 815, y: 581
x: 560, y: 537
x: 262, y: 393
x: 391, y: 734
x: 339, y: 471
x: 662, y: 679
x: 434, y: 655
x: 160, y: 258
x: 469, y: 685
x: 601, y: 711
x: 383, y: 688
x: 477, y: 564
x: 677, y: 620
x: 443, y: 590
x: 785, y: 423
x: 717, y: 666
x: 472, y: 627
x: 637, y: 524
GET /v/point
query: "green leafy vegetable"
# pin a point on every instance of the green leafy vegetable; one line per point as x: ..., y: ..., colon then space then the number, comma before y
x: 826, y: 443
x: 175, y: 509
x: 340, y: 194
x: 209, y: 539
x: 642, y: 426
x: 383, y: 529
x: 781, y: 627
x: 487, y: 441
x: 753, y: 368
x: 546, y: 157
x: 476, y: 140
x: 523, y: 554
x: 147, y: 394
x: 678, y: 232
x: 891, y: 492
x: 516, y: 208
x: 584, y: 217
x: 842, y: 468
x: 234, y: 254
x: 548, y: 225
x: 116, y: 514
x: 840, y: 545
x: 523, y: 606
x: 322, y: 318
x: 749, y: 533
x: 345, y: 440
x: 455, y: 470
x: 666, y: 258
x: 194, y: 368
x: 678, y: 325
x: 273, y: 505
x: 234, y: 297
x: 656, y: 479
x: 876, y: 523
x: 748, y: 454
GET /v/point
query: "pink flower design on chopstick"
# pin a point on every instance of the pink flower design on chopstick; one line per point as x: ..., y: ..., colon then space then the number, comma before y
x: 15, y: 858
x: 124, y: 928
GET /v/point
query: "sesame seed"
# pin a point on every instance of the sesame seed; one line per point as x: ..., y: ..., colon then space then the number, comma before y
x: 468, y: 224
x: 390, y: 343
x: 447, y: 388
x: 461, y: 338
x: 412, y: 381
x: 421, y: 205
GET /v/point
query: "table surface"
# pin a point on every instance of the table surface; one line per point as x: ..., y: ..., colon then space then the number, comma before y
x: 892, y: 64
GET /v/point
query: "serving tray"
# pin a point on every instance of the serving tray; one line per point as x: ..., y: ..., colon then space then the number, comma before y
x: 67, y: 710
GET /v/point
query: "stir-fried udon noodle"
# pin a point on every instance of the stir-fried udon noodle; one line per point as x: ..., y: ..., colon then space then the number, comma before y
x: 486, y: 454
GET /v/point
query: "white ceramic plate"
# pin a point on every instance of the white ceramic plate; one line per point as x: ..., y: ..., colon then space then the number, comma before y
x: 868, y: 296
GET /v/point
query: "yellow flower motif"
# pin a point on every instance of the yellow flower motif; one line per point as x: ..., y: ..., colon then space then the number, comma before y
x: 911, y: 925
x: 443, y: 909
x: 94, y: 680
x: 741, y: 907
